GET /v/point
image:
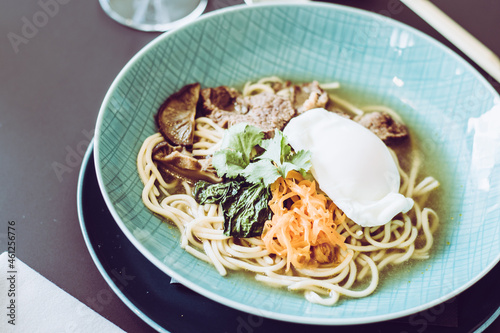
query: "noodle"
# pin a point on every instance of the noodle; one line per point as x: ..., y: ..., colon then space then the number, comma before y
x: 369, y: 249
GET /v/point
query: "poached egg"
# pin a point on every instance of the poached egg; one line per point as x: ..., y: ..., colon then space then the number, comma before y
x: 351, y: 165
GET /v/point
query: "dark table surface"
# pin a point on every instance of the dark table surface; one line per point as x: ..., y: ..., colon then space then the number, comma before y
x: 52, y: 85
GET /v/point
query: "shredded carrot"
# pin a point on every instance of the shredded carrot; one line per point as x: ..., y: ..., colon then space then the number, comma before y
x: 304, y: 223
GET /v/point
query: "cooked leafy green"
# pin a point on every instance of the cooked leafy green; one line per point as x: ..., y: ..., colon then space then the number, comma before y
x: 245, y: 205
x: 208, y: 193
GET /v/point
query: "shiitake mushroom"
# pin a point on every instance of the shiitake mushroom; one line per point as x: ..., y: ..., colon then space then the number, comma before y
x: 175, y: 117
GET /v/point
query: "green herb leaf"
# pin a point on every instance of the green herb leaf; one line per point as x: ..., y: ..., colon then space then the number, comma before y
x: 276, y: 148
x: 236, y: 149
x: 235, y: 158
x: 299, y: 161
x: 280, y: 159
x: 261, y: 171
x: 229, y: 163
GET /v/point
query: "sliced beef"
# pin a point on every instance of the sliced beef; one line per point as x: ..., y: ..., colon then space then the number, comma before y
x: 175, y: 118
x: 266, y: 111
x: 385, y: 127
x: 221, y: 98
x: 178, y: 162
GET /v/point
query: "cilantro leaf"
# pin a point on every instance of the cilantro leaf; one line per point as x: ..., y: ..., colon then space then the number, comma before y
x: 235, y: 157
x: 229, y: 162
x: 281, y: 159
x: 236, y: 149
x: 261, y: 171
x: 276, y: 148
x: 301, y: 161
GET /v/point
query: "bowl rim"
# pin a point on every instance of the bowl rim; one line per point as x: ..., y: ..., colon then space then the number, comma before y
x: 224, y: 300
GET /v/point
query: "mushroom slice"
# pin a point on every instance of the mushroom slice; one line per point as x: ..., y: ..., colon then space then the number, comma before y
x: 175, y: 118
x: 178, y: 162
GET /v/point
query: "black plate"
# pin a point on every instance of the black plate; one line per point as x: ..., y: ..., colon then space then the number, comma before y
x: 175, y: 308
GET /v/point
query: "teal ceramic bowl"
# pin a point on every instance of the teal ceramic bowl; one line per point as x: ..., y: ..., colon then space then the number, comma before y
x: 376, y: 60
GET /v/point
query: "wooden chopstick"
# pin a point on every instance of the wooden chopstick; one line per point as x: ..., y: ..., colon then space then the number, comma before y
x: 457, y: 35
